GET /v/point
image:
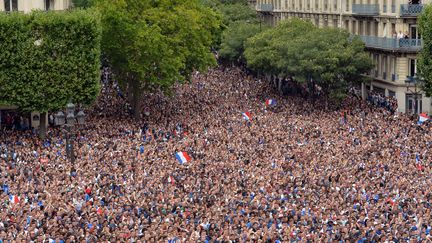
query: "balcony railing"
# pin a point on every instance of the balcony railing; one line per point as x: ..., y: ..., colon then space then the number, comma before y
x: 365, y: 9
x: 265, y: 7
x: 411, y: 9
x: 411, y: 45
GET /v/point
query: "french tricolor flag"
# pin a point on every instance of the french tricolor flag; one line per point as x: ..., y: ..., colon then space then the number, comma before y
x: 182, y: 157
x: 247, y: 116
x: 422, y: 118
x: 270, y: 102
x: 14, y: 199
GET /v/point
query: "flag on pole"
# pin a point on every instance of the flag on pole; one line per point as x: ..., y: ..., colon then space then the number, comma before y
x: 247, y: 116
x: 182, y: 157
x: 270, y: 102
x: 422, y: 118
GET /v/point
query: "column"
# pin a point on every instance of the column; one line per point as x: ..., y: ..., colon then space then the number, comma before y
x: 388, y: 71
x: 358, y: 27
x: 380, y: 29
x: 401, y: 100
x: 2, y: 6
x: 401, y: 69
x: 38, y: 4
x: 379, y: 68
x: 398, y: 3
x: 348, y: 28
x: 22, y: 6
x: 426, y: 103
x: 363, y: 91
x: 386, y: 92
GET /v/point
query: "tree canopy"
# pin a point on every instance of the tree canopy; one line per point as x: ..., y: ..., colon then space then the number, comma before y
x: 48, y: 58
x: 425, y: 60
x: 240, y: 22
x: 237, y: 12
x: 297, y: 49
x: 234, y: 39
x: 154, y: 44
x: 82, y: 3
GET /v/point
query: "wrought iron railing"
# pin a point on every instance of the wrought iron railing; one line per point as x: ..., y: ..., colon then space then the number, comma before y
x: 365, y: 9
x: 392, y: 43
x: 411, y: 9
x: 265, y: 7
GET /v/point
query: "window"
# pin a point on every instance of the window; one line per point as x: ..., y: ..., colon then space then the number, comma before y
x: 335, y: 23
x: 11, y: 5
x: 47, y: 5
x: 414, y: 34
x: 412, y: 67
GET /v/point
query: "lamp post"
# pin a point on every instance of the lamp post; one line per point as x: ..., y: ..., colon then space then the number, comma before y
x: 69, y: 123
x: 416, y: 81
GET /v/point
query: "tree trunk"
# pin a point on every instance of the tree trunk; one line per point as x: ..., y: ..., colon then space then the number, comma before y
x: 136, y: 100
x: 279, y: 81
x: 42, y: 125
x: 130, y: 92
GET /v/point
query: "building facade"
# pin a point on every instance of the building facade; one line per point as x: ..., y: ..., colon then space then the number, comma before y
x: 388, y: 28
x: 29, y: 5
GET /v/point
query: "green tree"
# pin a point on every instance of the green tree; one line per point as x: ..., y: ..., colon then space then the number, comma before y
x: 334, y: 60
x: 48, y: 58
x: 271, y: 52
x: 154, y: 44
x: 234, y: 40
x: 298, y: 49
x: 425, y: 59
x: 237, y: 12
x: 82, y: 3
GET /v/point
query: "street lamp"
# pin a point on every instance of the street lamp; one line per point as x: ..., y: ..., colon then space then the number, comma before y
x: 68, y: 122
x: 416, y: 81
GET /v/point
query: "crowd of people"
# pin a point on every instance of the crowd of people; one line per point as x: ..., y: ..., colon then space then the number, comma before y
x: 292, y: 173
x: 379, y: 100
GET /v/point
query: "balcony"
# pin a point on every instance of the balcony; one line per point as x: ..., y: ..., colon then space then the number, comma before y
x: 365, y: 9
x: 265, y: 7
x: 393, y: 44
x: 413, y: 10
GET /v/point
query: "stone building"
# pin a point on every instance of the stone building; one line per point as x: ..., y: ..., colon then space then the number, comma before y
x: 388, y: 28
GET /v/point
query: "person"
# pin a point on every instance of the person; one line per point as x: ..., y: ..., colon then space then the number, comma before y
x: 293, y: 175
